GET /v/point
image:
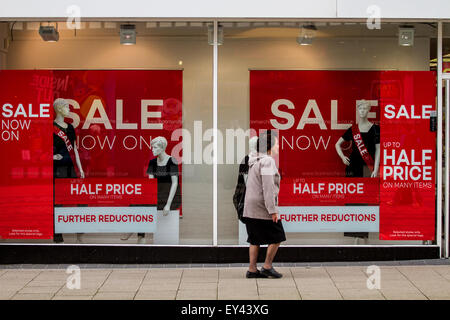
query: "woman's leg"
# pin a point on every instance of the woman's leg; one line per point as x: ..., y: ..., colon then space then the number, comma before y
x: 253, y: 254
x: 270, y: 255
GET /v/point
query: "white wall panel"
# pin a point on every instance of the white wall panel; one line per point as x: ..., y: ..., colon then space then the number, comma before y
x: 171, y: 9
x: 406, y: 9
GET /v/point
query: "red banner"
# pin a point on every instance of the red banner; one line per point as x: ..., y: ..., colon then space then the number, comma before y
x: 329, y: 192
x: 114, y: 114
x: 117, y: 113
x: 108, y: 192
x: 312, y: 110
x: 26, y: 185
x: 408, y: 157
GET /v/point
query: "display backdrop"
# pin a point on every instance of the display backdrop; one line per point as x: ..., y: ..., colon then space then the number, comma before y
x: 115, y: 114
x: 26, y: 157
x: 312, y: 110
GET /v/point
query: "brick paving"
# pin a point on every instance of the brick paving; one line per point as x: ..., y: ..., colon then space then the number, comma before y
x: 400, y: 280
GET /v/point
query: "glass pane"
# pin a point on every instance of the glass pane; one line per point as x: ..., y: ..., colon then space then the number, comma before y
x: 308, y: 80
x: 123, y: 160
x: 446, y: 47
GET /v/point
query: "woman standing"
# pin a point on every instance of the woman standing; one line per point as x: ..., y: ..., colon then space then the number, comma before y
x: 260, y: 207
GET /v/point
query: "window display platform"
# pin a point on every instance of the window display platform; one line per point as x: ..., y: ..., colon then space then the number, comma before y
x: 151, y: 254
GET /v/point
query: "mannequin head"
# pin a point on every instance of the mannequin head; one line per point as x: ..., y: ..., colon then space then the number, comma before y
x: 159, y: 145
x: 252, y: 143
x: 363, y: 108
x: 61, y: 107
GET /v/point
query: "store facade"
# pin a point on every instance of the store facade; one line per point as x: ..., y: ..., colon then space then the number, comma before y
x: 158, y: 114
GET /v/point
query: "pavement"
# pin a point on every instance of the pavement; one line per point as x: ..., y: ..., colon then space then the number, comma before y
x: 398, y: 280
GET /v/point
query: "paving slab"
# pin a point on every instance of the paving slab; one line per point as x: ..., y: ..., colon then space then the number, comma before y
x: 361, y: 294
x: 196, y: 295
x: 166, y: 273
x: 279, y: 292
x: 114, y: 296
x: 12, y: 285
x: 403, y: 282
x: 353, y: 284
x: 46, y: 283
x: 403, y: 294
x: 52, y: 276
x: 237, y: 296
x: 156, y: 295
x: 276, y: 283
x: 77, y: 292
x: 159, y: 287
x: 321, y: 296
x: 6, y: 295
x: 198, y: 286
x: 33, y: 296
x: 119, y: 287
x: 39, y: 290
x: 72, y: 298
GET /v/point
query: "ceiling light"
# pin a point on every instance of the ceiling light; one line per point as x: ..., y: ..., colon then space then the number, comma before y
x: 127, y: 34
x: 49, y: 33
x: 406, y: 36
x: 211, y: 35
x: 307, y: 34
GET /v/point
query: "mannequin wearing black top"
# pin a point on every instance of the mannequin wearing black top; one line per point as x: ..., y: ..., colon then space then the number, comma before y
x: 371, y: 136
x: 167, y: 177
x: 165, y: 169
x: 355, y: 165
x: 63, y: 166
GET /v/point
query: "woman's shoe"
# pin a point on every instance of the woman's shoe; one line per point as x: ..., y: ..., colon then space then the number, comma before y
x: 271, y: 273
x: 256, y: 274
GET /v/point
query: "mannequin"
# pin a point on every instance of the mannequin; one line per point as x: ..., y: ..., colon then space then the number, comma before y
x: 165, y: 169
x: 66, y: 160
x: 356, y: 166
x: 159, y: 145
x: 365, y: 163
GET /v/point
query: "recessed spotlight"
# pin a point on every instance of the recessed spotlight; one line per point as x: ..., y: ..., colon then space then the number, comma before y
x: 307, y: 34
x: 406, y: 36
x: 127, y: 34
x: 49, y: 33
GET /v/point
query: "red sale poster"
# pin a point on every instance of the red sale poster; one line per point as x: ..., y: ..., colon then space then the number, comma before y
x: 117, y: 113
x: 26, y: 180
x: 408, y: 158
x: 312, y: 111
x: 112, y: 117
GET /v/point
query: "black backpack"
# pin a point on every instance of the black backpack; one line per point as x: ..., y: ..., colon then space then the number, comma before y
x: 239, y: 192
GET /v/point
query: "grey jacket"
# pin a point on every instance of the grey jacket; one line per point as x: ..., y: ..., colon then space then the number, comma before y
x: 263, y: 186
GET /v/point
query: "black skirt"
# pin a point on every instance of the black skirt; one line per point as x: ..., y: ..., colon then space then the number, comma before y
x: 262, y: 232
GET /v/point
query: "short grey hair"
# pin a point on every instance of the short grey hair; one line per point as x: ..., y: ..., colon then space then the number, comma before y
x: 252, y: 143
x: 60, y: 102
x: 160, y: 141
x: 363, y: 103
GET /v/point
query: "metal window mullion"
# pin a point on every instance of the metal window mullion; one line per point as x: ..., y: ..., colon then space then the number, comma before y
x: 215, y: 149
x: 439, y: 142
x: 447, y: 162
